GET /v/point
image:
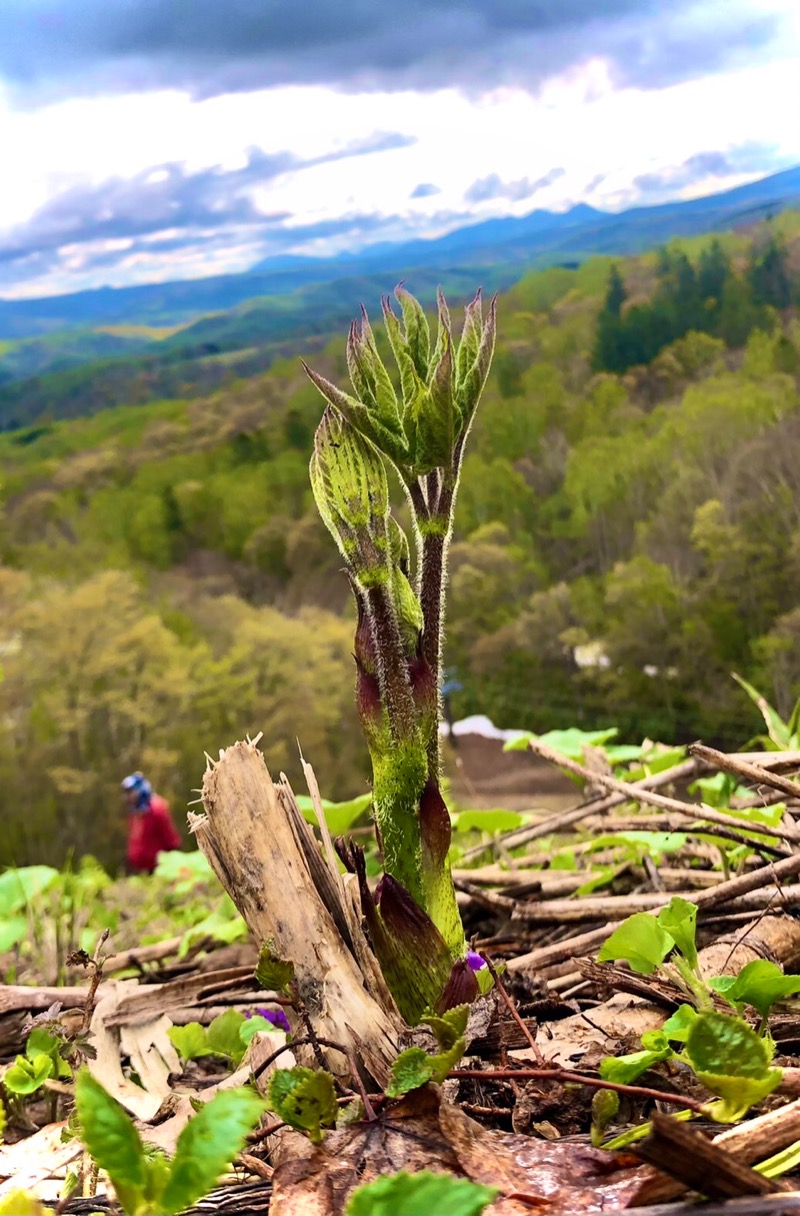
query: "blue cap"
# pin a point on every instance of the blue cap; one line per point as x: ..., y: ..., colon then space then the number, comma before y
x: 138, y: 784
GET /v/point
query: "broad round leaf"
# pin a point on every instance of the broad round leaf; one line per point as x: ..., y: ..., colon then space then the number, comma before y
x: 641, y: 941
x: 423, y: 1194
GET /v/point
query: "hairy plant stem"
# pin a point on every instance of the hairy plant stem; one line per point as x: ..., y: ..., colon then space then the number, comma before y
x: 399, y: 636
x: 436, y: 529
x: 393, y: 678
x: 399, y: 765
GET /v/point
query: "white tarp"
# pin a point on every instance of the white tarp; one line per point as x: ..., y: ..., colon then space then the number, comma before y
x: 479, y: 724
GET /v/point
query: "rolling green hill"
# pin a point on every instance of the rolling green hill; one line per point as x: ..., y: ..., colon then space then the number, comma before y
x: 628, y: 534
x: 78, y: 353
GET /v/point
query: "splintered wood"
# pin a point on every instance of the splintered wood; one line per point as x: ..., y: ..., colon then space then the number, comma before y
x: 265, y: 855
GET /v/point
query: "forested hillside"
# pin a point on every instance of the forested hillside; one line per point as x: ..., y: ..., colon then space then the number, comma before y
x: 628, y: 534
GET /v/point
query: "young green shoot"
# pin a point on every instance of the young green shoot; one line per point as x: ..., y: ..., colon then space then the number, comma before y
x: 420, y: 435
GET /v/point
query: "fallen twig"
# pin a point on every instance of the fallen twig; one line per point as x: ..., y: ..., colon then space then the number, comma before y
x: 564, y: 819
x: 751, y: 1141
x: 745, y: 769
x: 638, y: 793
x: 575, y: 1078
x: 617, y: 907
x: 685, y: 1154
x: 512, y: 1009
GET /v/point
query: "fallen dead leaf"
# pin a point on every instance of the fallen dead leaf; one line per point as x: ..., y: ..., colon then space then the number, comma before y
x: 424, y: 1132
x: 30, y: 1162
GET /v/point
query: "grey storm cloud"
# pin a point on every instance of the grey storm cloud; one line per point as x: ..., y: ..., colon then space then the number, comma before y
x: 168, y: 197
x: 494, y: 187
x: 54, y: 48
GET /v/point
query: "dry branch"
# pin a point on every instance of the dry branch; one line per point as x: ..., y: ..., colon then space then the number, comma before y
x: 617, y: 907
x: 267, y: 859
x: 552, y: 824
x: 686, y: 1155
x: 638, y: 793
x: 745, y: 770
x: 752, y: 1141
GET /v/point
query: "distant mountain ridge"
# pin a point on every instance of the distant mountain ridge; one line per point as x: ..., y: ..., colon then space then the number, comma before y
x: 511, y: 245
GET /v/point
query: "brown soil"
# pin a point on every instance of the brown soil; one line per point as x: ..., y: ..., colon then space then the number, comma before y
x: 483, y: 776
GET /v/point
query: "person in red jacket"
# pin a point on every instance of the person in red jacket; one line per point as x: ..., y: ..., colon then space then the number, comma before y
x: 150, y: 827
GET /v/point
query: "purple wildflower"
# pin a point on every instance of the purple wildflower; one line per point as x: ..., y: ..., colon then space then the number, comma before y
x: 475, y: 961
x: 276, y: 1016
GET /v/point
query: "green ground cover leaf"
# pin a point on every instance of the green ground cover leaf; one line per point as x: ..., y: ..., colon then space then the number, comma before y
x: 304, y: 1098
x: 641, y: 941
x: 423, y: 1194
x: 760, y: 984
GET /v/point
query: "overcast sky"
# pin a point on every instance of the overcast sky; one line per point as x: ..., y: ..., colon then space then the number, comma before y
x: 145, y: 140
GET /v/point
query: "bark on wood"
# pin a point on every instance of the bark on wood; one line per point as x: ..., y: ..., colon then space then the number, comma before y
x: 267, y: 859
x: 687, y: 1156
x: 750, y: 1142
x: 618, y: 907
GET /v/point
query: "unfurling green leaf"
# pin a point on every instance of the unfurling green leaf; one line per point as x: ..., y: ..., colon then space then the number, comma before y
x: 759, y: 984
x: 413, y: 1068
x: 26, y: 1076
x: 569, y: 742
x: 222, y: 1038
x: 677, y: 1026
x: 641, y: 941
x: 257, y: 1024
x: 781, y: 736
x: 737, y: 1094
x: 423, y: 1194
x: 625, y: 1069
x: 190, y: 1041
x: 207, y: 1145
x: 272, y: 973
x: 471, y: 335
x: 410, y: 382
x: 605, y: 1104
x: 340, y: 817
x: 432, y: 434
x: 358, y: 415
x: 433, y: 420
x: 19, y: 885
x: 679, y: 918
x: 417, y: 334
x: 720, y: 1043
x: 731, y: 1060
x: 471, y: 377
x: 42, y: 1043
x: 305, y: 1099
x: 371, y: 380
x: 408, y: 610
x: 223, y: 1035
x: 351, y: 490
x: 449, y: 1027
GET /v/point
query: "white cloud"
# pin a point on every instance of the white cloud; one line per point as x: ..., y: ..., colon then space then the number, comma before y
x: 578, y: 120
